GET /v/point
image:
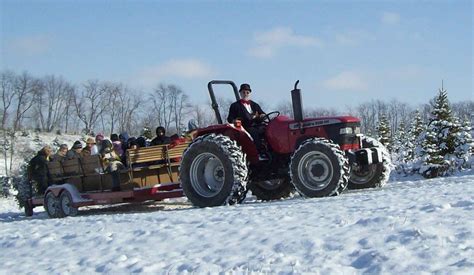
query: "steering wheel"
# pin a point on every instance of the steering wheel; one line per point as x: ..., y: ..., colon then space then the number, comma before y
x: 269, y: 117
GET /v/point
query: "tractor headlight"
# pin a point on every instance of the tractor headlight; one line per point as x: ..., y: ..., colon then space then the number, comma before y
x: 346, y: 130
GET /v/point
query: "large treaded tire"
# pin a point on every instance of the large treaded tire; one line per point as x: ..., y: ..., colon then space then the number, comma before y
x: 378, y: 174
x: 272, y: 189
x: 213, y: 171
x: 319, y: 168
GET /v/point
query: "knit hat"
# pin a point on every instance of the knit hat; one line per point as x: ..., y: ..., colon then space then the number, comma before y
x: 99, y: 137
x: 114, y: 137
x: 77, y: 145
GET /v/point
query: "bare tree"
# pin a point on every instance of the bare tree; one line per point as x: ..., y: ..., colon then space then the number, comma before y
x: 128, y: 106
x: 285, y: 108
x: 24, y: 88
x: 161, y: 105
x: 180, y: 105
x: 320, y: 112
x: 463, y: 109
x: 51, y: 101
x: 7, y: 80
x: 90, y: 104
x: 203, y: 115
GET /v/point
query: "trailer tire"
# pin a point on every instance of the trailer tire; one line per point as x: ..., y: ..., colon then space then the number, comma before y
x: 319, y: 168
x: 377, y: 174
x: 213, y: 171
x: 28, y: 209
x: 272, y: 189
x: 52, y: 206
x: 66, y: 207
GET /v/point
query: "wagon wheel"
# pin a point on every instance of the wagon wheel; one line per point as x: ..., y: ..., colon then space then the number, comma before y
x: 67, y: 207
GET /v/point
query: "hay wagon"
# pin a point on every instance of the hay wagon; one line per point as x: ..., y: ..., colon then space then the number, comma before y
x: 151, y: 174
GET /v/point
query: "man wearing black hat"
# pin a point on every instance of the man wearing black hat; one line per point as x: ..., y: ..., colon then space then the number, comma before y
x: 75, y: 151
x: 249, y: 113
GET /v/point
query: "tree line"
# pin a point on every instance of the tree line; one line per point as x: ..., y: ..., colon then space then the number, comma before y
x: 53, y: 104
x: 438, y: 146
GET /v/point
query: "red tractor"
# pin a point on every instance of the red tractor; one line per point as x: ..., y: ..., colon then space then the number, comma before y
x: 318, y: 157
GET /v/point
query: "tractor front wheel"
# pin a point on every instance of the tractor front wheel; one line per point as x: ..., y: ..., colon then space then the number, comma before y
x: 213, y: 171
x: 319, y: 168
x: 375, y: 175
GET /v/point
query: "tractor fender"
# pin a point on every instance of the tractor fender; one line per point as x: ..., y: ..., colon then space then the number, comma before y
x: 238, y: 134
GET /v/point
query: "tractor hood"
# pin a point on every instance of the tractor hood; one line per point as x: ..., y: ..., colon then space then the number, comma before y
x: 322, y: 121
x: 285, y: 134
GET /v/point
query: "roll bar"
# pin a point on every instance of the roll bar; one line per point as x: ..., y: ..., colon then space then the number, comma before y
x: 214, y: 104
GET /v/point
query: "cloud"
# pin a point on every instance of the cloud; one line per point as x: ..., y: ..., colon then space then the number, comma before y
x: 348, y: 80
x: 268, y: 43
x: 353, y: 37
x: 30, y: 45
x: 408, y: 72
x: 390, y: 18
x: 178, y: 68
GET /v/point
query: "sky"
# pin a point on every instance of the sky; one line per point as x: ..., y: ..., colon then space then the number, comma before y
x: 343, y: 52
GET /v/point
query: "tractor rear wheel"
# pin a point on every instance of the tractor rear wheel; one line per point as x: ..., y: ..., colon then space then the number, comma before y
x: 271, y: 189
x: 213, y: 171
x: 376, y: 175
x: 319, y: 168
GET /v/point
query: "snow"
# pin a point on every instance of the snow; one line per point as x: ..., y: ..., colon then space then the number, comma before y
x: 29, y: 144
x: 410, y: 226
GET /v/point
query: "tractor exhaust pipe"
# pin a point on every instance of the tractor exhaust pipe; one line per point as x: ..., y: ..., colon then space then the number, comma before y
x: 297, y: 103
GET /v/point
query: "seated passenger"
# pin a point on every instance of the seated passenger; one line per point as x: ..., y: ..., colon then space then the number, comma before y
x: 87, y: 151
x: 161, y: 138
x: 60, y: 154
x: 117, y: 144
x: 98, y: 141
x: 141, y: 142
x: 111, y: 163
x: 38, y: 169
x: 75, y: 151
x: 123, y: 137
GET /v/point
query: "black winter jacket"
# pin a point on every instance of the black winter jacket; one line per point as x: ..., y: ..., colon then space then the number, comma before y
x: 238, y: 111
x: 38, y: 166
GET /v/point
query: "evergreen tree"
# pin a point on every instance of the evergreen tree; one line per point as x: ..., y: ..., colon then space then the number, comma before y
x: 438, y: 146
x: 463, y: 145
x: 400, y: 149
x: 443, y: 123
x: 413, y: 137
x: 384, y: 133
x: 399, y: 143
x: 146, y: 132
x: 433, y: 163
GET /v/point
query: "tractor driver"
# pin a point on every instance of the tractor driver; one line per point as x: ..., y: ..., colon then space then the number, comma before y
x: 249, y: 113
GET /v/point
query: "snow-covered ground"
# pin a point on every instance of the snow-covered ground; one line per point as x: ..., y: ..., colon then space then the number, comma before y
x: 411, y: 226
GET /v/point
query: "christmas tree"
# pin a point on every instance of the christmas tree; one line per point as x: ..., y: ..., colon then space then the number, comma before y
x: 463, y: 145
x: 384, y: 133
x: 413, y: 137
x: 438, y: 146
